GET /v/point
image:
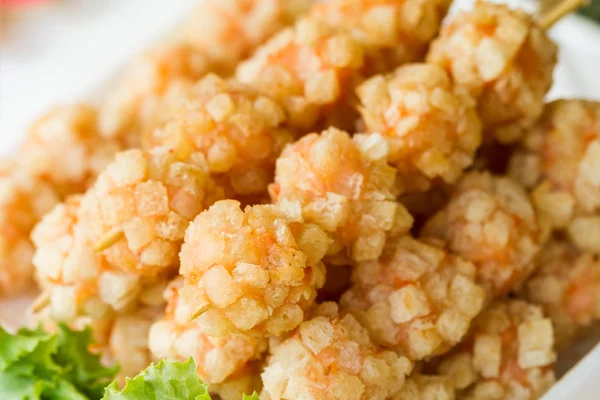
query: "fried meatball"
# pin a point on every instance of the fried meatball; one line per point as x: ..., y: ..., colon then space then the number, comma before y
x: 253, y: 270
x: 504, y: 59
x: 345, y: 186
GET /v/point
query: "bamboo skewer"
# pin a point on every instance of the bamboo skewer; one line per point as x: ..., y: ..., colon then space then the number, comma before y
x: 41, y: 302
x: 553, y: 14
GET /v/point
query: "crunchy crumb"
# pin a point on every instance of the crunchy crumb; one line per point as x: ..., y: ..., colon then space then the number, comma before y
x: 393, y: 32
x: 213, y: 39
x: 417, y: 299
x: 311, y: 69
x: 24, y: 200
x: 253, y: 270
x: 128, y: 342
x: 132, y: 106
x: 509, y: 355
x: 63, y: 148
x: 228, y: 31
x: 490, y: 221
x: 426, y: 387
x: 331, y: 357
x: 559, y: 160
x: 140, y: 206
x: 80, y: 282
x: 345, y: 186
x: 431, y: 127
x: 567, y: 285
x: 504, y: 59
x: 236, y: 129
x: 220, y: 359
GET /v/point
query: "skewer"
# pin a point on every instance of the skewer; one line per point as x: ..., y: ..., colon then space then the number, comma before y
x: 40, y: 302
x: 199, y: 312
x: 108, y: 240
x: 553, y: 14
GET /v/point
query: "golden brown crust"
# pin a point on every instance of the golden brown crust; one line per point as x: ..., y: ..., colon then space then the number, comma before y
x: 431, y: 127
x: 509, y: 354
x: 25, y: 199
x: 558, y: 161
x: 331, y: 357
x: 504, y: 59
x: 491, y: 222
x: 417, y: 299
x: 64, y: 149
x: 219, y: 358
x: 235, y: 128
x: 140, y: 206
x: 345, y: 186
x: 253, y: 270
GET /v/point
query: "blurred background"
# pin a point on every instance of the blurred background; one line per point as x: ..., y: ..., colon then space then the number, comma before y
x: 57, y: 51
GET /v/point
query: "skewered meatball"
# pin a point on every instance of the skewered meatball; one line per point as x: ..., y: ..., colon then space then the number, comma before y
x: 24, y: 201
x: 219, y: 359
x: 345, y: 186
x: 490, y: 222
x: 76, y: 280
x: 64, y: 149
x: 567, y: 285
x: 331, y: 357
x: 394, y: 32
x: 228, y: 31
x: 508, y: 355
x: 559, y: 160
x: 141, y: 204
x: 214, y: 39
x: 311, y: 70
x: 416, y: 299
x: 253, y: 270
x: 431, y: 127
x: 233, y: 126
x: 504, y: 59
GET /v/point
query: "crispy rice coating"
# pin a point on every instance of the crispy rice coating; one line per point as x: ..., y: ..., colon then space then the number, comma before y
x: 394, y: 32
x: 559, y: 160
x: 491, y: 222
x: 128, y: 342
x: 140, y: 206
x: 64, y: 148
x: 214, y: 39
x: 431, y: 126
x: 508, y: 356
x: 345, y: 186
x: 236, y: 129
x: 566, y: 285
x: 132, y: 106
x: 311, y: 70
x: 331, y: 357
x: 220, y: 359
x: 228, y: 31
x: 253, y: 270
x: 504, y: 59
x: 78, y: 281
x: 417, y: 299
x: 25, y: 199
x: 426, y: 387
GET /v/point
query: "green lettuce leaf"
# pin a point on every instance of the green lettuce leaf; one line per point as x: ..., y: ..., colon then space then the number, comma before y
x: 35, y: 365
x: 167, y: 380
